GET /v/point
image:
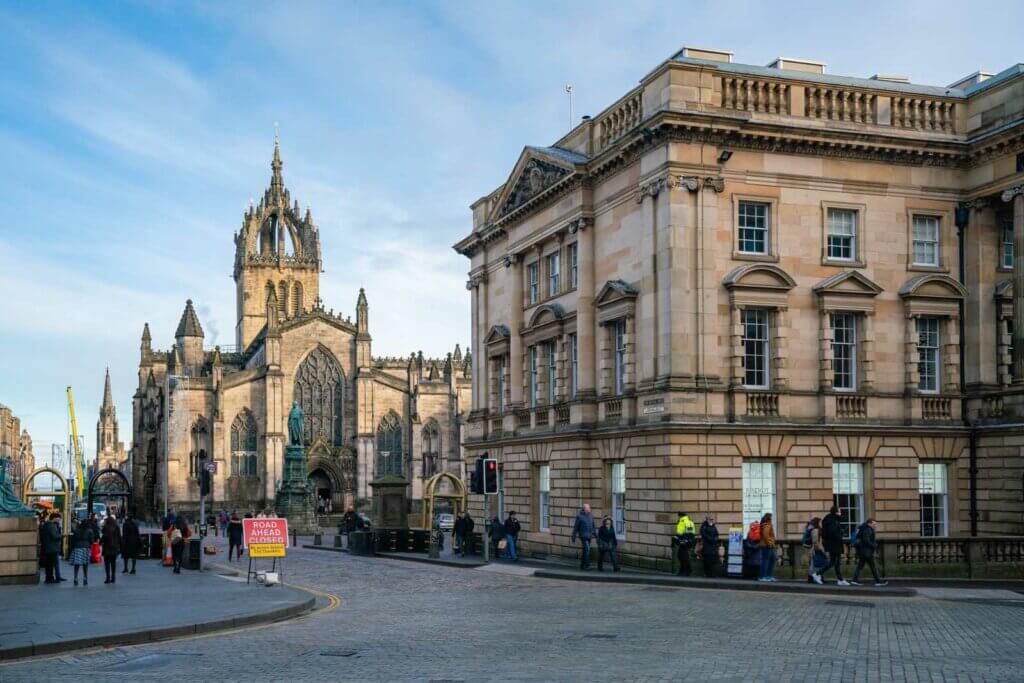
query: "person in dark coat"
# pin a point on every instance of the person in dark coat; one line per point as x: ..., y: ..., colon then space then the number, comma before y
x: 463, y: 532
x: 169, y: 519
x: 235, y: 537
x: 832, y: 539
x: 709, y: 546
x: 110, y: 540
x: 607, y: 543
x: 496, y: 532
x: 49, y: 547
x: 865, y: 545
x: 583, y: 529
x: 131, y: 541
x: 512, y: 528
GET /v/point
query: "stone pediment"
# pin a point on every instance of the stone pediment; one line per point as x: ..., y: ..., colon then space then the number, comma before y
x: 1004, y: 290
x: 538, y: 170
x: 545, y: 315
x: 759, y: 276
x: 498, y: 333
x: 932, y: 286
x: 615, y: 290
x: 848, y: 283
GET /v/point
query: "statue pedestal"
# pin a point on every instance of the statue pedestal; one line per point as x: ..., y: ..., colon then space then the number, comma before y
x: 294, y: 500
x: 390, y: 508
x: 19, y: 553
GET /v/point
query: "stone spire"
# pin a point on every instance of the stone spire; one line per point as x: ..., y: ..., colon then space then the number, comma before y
x: 276, y: 179
x: 189, y: 325
x: 108, y: 399
x: 362, y: 313
x: 147, y: 340
x: 109, y: 450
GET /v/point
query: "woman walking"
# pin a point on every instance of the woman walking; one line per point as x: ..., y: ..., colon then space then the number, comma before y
x: 607, y: 544
x: 82, y: 539
x: 131, y: 540
x: 767, y: 549
x: 818, y: 559
x: 110, y: 541
x: 177, y: 546
x: 235, y: 537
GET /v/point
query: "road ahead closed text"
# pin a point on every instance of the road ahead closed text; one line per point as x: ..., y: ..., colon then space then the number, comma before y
x: 266, y: 537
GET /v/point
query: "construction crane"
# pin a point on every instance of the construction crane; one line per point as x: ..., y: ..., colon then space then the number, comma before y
x: 79, y: 458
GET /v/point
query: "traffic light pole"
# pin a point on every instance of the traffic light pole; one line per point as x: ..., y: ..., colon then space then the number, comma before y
x: 487, y: 529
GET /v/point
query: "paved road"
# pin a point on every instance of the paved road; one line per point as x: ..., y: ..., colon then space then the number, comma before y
x: 409, y: 621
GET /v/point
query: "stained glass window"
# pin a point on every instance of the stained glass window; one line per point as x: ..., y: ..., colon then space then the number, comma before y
x: 389, y: 445
x: 320, y: 391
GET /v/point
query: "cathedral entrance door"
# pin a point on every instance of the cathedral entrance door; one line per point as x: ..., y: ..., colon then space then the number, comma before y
x: 321, y: 485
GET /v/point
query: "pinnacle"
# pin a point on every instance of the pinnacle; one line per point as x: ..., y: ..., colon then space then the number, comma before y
x: 189, y: 325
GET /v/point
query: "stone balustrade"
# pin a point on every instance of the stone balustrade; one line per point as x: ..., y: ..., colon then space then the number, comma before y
x: 755, y: 94
x: 619, y: 119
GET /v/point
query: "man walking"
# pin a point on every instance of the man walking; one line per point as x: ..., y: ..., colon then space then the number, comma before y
x: 512, y: 536
x: 349, y: 522
x: 459, y: 529
x: 583, y: 528
x: 832, y: 539
x: 686, y: 536
x: 865, y: 544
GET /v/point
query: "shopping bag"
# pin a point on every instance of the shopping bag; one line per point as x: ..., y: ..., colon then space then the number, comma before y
x: 94, y: 553
x: 502, y: 544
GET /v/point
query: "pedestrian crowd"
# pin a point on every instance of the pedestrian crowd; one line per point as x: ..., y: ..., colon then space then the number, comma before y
x: 88, y: 543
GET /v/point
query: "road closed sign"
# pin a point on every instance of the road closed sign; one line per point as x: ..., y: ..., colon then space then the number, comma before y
x: 266, y: 537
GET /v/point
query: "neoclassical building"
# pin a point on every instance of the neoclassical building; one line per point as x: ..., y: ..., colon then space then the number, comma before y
x: 365, y: 417
x: 16, y: 447
x: 745, y: 289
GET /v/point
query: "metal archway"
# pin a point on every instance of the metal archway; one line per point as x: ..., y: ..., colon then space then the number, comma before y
x: 106, y: 492
x: 430, y: 493
x: 28, y: 492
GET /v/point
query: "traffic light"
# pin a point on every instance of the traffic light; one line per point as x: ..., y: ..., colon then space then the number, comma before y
x: 204, y: 484
x: 490, y: 476
x: 476, y: 477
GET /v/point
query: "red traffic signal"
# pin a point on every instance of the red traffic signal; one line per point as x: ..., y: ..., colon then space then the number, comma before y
x: 490, y: 476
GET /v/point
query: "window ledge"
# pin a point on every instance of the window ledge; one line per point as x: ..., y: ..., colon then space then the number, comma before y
x: 763, y: 258
x: 918, y: 268
x: 843, y: 263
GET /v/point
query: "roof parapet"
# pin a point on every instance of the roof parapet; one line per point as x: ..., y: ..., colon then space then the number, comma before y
x: 888, y: 78
x: 806, y: 65
x: 706, y: 53
x: 971, y: 79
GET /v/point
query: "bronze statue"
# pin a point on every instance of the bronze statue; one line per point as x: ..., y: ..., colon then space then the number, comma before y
x: 295, y: 418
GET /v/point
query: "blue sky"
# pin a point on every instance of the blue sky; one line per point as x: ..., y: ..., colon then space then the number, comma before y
x: 134, y: 135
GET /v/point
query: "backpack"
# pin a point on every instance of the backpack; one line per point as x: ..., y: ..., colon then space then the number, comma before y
x: 808, y: 538
x: 855, y: 537
x: 755, y: 531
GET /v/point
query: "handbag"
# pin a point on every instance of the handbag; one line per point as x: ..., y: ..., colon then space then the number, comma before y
x: 502, y: 544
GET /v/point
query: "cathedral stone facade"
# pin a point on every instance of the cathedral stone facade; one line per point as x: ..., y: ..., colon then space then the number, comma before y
x: 365, y: 417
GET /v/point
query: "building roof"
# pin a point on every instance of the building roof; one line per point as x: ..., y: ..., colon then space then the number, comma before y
x: 566, y: 155
x: 189, y: 325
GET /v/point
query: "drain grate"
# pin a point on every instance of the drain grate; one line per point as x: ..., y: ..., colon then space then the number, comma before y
x: 850, y: 603
x: 902, y: 623
x: 339, y: 653
x: 601, y: 636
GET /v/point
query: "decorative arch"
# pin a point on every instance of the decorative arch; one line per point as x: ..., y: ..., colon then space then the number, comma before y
x: 546, y: 314
x: 933, y: 286
x: 276, y: 232
x: 110, y: 482
x: 431, y: 440
x: 390, y: 456
x: 244, y: 445
x: 320, y: 392
x: 430, y: 492
x: 759, y: 276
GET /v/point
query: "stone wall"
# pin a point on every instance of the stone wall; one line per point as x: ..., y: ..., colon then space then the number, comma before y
x: 19, y: 550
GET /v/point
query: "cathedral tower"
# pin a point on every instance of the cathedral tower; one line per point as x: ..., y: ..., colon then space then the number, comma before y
x: 277, y: 249
x: 109, y: 451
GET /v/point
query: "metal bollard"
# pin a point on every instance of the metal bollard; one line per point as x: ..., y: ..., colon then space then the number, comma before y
x: 317, y: 539
x: 337, y: 540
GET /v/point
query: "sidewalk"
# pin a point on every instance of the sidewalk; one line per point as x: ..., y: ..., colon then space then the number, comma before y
x: 154, y: 604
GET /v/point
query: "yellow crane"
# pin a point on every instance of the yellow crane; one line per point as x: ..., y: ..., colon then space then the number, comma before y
x: 79, y: 459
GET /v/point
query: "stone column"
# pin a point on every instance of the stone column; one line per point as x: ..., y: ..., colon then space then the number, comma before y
x: 981, y: 331
x: 1016, y: 195
x: 780, y: 349
x: 867, y: 345
x: 515, y: 342
x: 585, y: 332
x: 477, y: 342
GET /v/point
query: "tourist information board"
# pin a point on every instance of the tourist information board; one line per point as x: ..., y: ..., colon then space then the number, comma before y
x: 266, y: 537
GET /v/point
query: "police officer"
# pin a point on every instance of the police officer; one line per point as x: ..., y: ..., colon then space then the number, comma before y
x: 685, y: 538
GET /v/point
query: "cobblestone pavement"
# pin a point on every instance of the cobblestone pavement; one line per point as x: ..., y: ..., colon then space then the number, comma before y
x: 408, y: 621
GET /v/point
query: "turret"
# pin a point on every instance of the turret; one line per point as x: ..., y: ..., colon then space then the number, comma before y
x: 146, y: 346
x: 189, y: 338
x: 363, y: 351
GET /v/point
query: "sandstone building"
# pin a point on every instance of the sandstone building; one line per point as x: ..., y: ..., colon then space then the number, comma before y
x: 110, y: 452
x: 16, y: 446
x: 365, y: 417
x: 743, y: 289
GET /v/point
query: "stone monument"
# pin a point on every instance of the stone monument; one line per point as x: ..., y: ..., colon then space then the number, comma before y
x: 294, y: 500
x: 19, y: 554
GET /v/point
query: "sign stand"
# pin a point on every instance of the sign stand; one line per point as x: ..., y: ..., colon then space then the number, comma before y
x: 251, y: 574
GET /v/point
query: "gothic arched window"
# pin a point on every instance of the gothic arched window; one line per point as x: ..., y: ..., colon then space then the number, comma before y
x: 431, y: 448
x: 200, y: 440
x: 282, y: 299
x: 389, y: 445
x: 244, y: 445
x: 320, y: 391
x: 297, y: 298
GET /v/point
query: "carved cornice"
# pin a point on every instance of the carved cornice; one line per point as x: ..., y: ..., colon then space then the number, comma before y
x: 580, y: 224
x: 1009, y: 194
x: 477, y: 280
x: 715, y: 184
x: 690, y: 183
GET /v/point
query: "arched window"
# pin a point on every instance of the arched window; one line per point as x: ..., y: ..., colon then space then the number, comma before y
x: 282, y: 299
x: 389, y: 445
x: 244, y: 445
x: 320, y: 391
x: 431, y: 448
x: 200, y: 439
x: 297, y: 299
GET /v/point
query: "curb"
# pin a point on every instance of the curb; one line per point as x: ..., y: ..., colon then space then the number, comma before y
x: 324, y: 547
x: 427, y: 560
x: 736, y: 585
x: 155, y: 634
